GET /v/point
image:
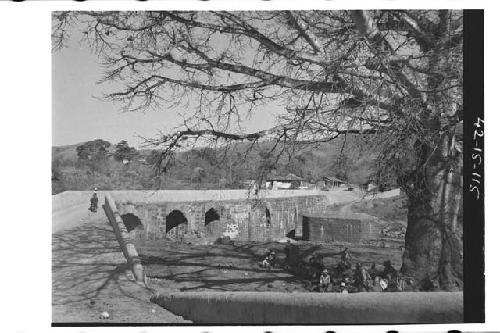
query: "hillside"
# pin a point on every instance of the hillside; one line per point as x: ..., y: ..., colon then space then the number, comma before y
x: 67, y: 152
x: 350, y: 158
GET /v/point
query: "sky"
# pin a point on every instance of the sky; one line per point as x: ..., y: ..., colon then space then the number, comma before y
x: 78, y: 115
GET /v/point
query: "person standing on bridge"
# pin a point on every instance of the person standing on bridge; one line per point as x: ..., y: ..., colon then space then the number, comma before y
x: 94, y: 201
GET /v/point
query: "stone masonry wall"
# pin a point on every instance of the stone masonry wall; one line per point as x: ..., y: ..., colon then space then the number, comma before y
x: 238, y: 219
x: 339, y: 229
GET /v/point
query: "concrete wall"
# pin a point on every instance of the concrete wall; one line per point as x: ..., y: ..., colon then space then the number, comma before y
x: 241, y: 219
x: 344, y: 229
x: 315, y: 308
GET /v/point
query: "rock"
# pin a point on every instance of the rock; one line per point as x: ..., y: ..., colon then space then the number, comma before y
x: 104, y: 315
x: 225, y: 240
x: 287, y: 240
x: 130, y: 275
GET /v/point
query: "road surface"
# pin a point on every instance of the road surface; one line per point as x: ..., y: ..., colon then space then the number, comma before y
x: 90, y: 273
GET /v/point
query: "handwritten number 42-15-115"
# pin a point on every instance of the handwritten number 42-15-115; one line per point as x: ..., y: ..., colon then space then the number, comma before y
x: 477, y: 158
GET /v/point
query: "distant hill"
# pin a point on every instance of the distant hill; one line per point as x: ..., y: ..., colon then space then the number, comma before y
x: 351, y: 158
x: 67, y: 152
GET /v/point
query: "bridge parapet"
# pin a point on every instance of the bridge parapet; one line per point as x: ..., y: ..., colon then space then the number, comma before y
x: 271, y: 216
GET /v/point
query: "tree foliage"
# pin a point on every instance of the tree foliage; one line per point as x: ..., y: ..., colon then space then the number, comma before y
x: 124, y: 152
x: 93, y: 150
x: 198, y: 175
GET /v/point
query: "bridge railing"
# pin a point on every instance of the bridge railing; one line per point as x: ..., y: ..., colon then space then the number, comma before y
x: 122, y: 237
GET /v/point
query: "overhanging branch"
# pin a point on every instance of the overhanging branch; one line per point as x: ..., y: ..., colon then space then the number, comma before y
x: 368, y: 28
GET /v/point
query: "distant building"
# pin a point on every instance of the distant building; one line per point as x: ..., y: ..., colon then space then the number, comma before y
x: 251, y: 184
x: 305, y: 185
x: 368, y: 186
x: 288, y: 182
x: 332, y: 181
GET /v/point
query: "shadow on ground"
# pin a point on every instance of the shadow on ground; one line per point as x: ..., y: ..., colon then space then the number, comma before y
x: 176, y: 266
x: 89, y: 276
x: 85, y: 261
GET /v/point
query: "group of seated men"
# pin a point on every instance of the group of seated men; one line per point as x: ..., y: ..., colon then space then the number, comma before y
x: 270, y: 261
x: 343, y: 278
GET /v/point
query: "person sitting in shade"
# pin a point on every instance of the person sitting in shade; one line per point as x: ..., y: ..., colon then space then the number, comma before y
x: 324, y: 281
x: 362, y: 279
x: 316, y: 266
x: 389, y: 271
x: 373, y: 271
x: 272, y: 258
x: 265, y: 263
x: 343, y: 288
x: 345, y: 258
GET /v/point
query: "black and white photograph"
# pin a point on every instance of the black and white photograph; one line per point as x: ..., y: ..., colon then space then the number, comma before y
x: 259, y: 166
x: 264, y: 166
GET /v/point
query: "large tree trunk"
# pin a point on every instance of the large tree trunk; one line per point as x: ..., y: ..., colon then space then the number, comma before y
x: 433, y: 239
x: 450, y: 264
x: 422, y: 241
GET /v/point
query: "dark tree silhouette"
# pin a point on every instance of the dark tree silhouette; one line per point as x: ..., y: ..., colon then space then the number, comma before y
x: 124, y: 152
x: 93, y: 150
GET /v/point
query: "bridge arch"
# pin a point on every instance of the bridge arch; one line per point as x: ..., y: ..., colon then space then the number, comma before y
x: 213, y: 225
x: 132, y: 221
x: 176, y: 223
x: 211, y: 215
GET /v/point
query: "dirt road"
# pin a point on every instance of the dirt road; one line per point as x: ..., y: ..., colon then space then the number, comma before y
x: 89, y: 274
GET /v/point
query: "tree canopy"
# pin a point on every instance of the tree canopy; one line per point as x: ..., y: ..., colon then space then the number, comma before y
x: 93, y: 150
x: 124, y: 152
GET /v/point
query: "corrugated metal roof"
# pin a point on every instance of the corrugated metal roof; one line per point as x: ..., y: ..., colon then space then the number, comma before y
x: 289, y: 177
x: 334, y: 179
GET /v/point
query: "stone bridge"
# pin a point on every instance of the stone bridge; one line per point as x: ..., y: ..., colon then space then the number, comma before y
x: 270, y: 215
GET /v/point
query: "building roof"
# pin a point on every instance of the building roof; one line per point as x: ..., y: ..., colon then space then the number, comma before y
x: 334, y: 179
x: 289, y: 177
